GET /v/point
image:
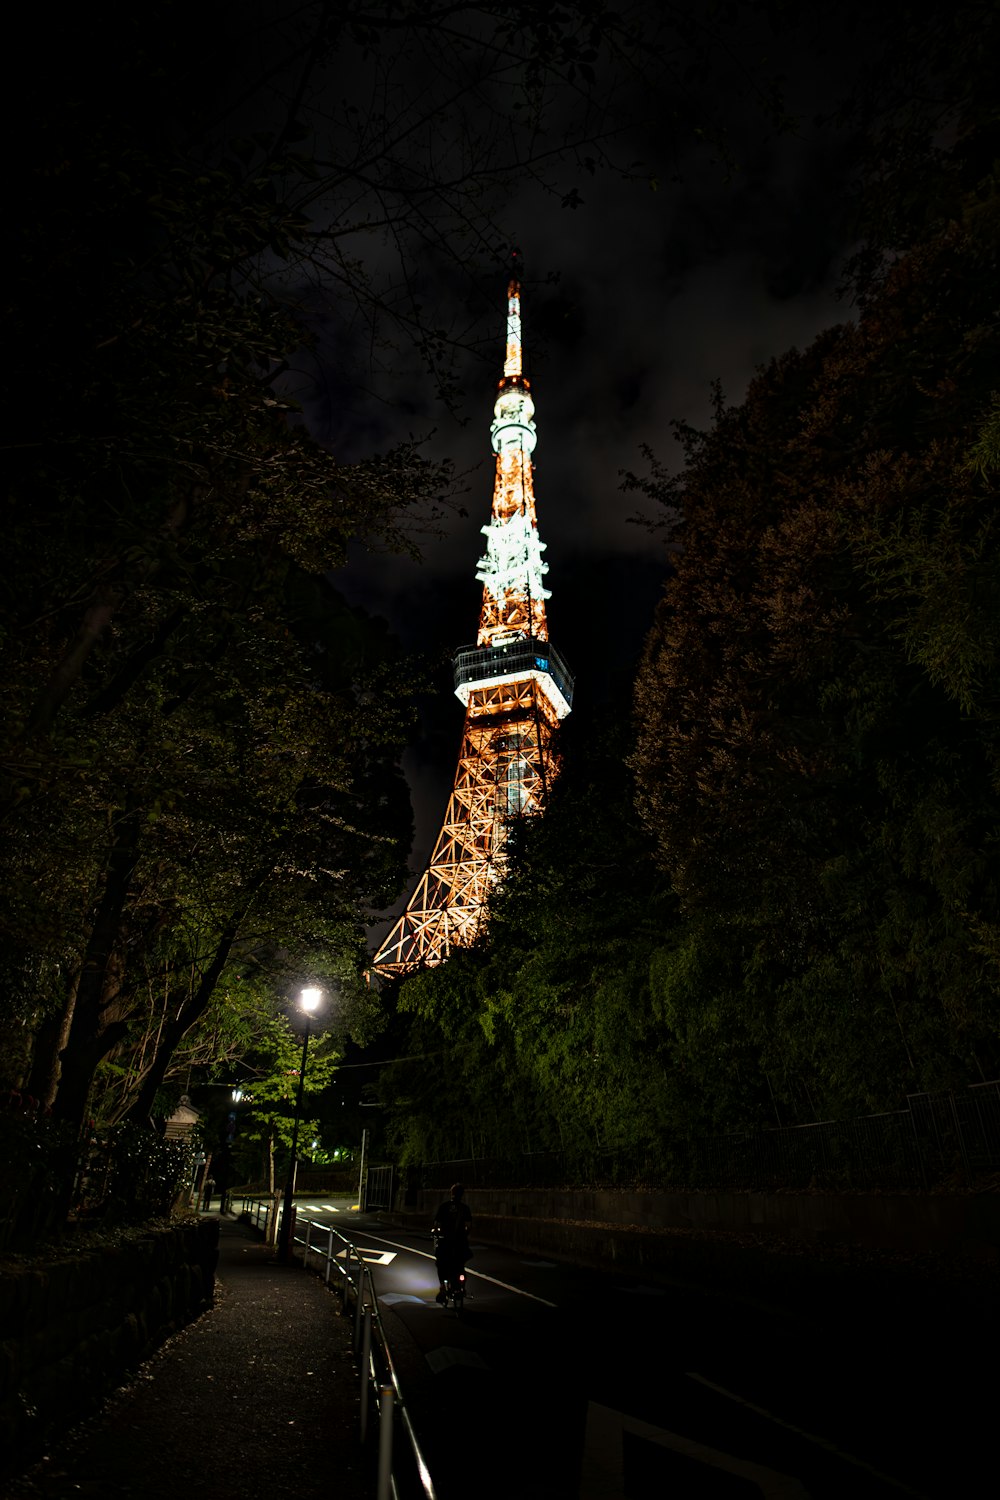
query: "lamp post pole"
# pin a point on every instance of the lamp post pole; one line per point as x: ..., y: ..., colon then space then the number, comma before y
x: 309, y: 1001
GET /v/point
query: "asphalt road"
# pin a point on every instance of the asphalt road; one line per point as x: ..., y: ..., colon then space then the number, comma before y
x: 568, y: 1384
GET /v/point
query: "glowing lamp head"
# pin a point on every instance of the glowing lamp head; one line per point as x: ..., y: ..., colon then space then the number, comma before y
x: 309, y: 1000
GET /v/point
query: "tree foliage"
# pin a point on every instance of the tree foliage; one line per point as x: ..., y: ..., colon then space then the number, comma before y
x: 529, y: 1041
x: 802, y: 920
x: 200, y: 799
x: 199, y: 768
x: 198, y: 763
x: 817, y: 756
x: 266, y: 1114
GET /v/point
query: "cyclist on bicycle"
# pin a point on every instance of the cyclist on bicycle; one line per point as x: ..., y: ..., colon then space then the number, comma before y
x: 451, y: 1238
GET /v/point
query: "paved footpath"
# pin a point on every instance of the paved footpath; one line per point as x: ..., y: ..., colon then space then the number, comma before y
x: 256, y: 1400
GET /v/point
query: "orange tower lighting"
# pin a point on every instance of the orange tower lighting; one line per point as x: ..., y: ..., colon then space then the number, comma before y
x: 515, y: 688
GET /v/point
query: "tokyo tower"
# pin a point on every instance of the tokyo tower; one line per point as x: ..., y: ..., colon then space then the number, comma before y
x: 515, y: 688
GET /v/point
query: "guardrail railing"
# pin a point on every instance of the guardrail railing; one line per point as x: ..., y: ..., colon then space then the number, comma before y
x: 399, y: 1462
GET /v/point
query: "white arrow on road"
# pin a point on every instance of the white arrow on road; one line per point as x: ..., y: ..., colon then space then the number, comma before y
x: 372, y: 1257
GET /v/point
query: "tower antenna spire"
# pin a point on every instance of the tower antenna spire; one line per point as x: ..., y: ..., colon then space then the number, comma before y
x: 513, y: 361
x: 515, y: 688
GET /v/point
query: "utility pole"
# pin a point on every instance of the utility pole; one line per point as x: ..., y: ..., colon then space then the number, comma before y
x: 361, y: 1178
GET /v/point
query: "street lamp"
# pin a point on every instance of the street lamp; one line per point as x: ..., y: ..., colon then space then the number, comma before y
x: 309, y: 1001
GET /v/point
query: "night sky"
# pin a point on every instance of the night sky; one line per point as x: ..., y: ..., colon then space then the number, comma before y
x: 682, y: 271
x: 662, y: 270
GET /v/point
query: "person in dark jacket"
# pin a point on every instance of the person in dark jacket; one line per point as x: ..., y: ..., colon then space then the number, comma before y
x: 451, y: 1237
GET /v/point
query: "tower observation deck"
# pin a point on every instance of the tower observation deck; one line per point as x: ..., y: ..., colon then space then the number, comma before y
x: 515, y: 687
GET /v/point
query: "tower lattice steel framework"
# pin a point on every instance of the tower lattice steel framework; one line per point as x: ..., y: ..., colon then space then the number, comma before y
x: 515, y: 688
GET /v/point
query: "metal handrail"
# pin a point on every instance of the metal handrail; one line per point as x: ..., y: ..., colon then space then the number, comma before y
x: 389, y: 1396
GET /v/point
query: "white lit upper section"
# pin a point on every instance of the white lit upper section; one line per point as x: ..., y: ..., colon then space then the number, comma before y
x: 513, y: 562
x: 512, y: 425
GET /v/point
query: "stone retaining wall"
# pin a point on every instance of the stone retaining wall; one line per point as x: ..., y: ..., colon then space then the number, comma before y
x: 890, y: 1221
x: 900, y: 1255
x: 73, y: 1328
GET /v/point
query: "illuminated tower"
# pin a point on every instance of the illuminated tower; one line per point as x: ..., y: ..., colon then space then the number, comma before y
x: 515, y: 688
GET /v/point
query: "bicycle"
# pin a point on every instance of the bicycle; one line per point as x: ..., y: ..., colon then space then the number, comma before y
x: 454, y: 1292
x: 451, y: 1273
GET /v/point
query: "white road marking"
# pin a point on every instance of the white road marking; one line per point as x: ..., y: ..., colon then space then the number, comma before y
x: 372, y: 1257
x: 480, y: 1275
x: 602, y: 1472
x: 810, y: 1437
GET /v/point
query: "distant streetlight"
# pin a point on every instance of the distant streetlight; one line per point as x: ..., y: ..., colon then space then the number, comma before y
x: 309, y: 1001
